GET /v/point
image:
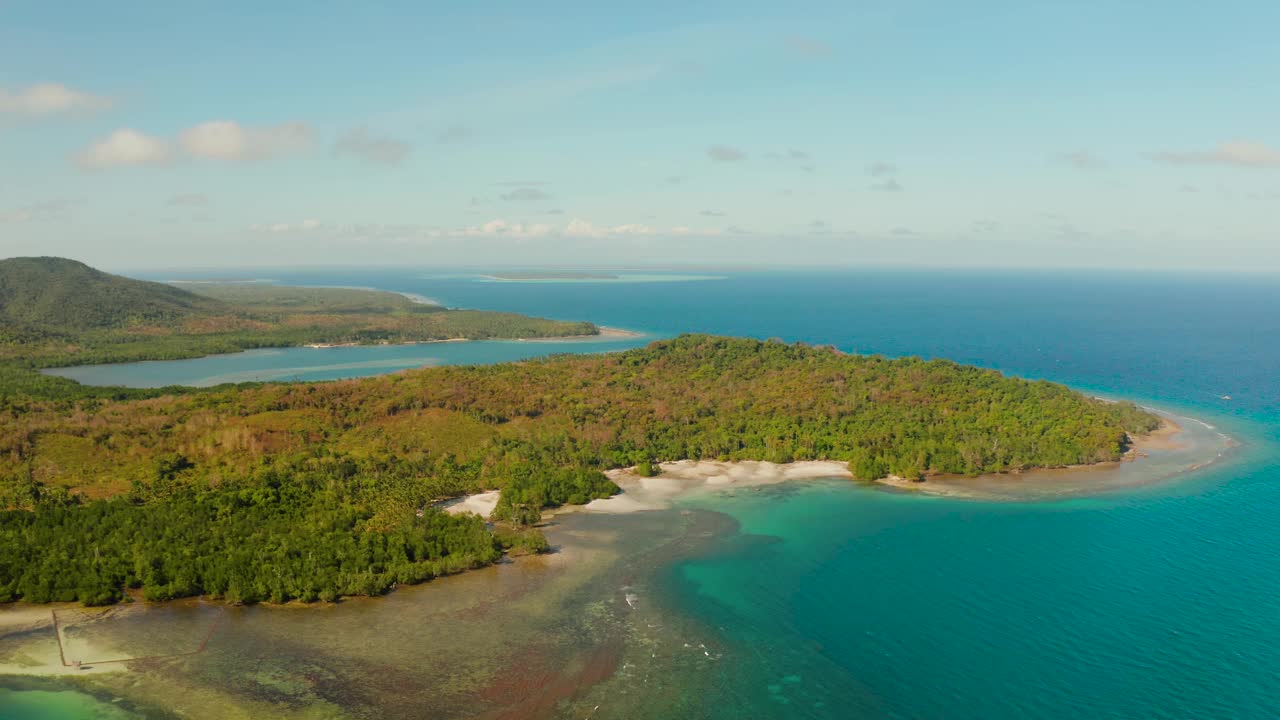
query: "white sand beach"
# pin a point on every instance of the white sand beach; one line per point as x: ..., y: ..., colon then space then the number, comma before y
x: 1178, y: 450
x: 481, y: 504
x: 688, y: 476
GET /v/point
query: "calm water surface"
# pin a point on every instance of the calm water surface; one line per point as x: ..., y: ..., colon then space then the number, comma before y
x: 329, y: 363
x: 831, y: 600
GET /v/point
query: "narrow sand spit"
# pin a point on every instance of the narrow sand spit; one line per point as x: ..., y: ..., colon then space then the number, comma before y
x: 1172, y: 450
x: 606, y: 333
x: 1165, y: 437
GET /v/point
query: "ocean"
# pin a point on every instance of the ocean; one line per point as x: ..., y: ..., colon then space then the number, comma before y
x: 830, y: 600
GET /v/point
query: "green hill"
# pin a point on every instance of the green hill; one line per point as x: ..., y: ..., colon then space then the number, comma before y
x: 57, y: 312
x: 60, y: 294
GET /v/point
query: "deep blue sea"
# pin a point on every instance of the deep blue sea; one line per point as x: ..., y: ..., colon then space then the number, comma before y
x: 1160, y: 602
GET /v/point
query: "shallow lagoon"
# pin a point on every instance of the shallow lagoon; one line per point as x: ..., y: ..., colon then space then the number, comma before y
x: 330, y: 363
x: 510, y: 641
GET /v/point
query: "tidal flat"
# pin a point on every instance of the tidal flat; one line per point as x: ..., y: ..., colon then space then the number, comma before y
x: 516, y: 640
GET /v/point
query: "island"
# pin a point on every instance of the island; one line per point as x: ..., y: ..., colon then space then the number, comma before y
x: 542, y: 275
x: 315, y: 491
x: 56, y: 312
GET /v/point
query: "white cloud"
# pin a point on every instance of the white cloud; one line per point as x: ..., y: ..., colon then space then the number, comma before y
x: 497, y: 229
x: 360, y: 144
x: 725, y: 153
x: 789, y: 154
x: 579, y: 228
x: 284, y: 227
x: 889, y: 185
x: 807, y: 46
x: 632, y: 229
x: 49, y: 99
x: 230, y: 141
x: 502, y: 228
x: 881, y: 169
x: 453, y: 134
x: 1083, y: 160
x: 215, y: 140
x: 189, y: 200
x: 525, y: 194
x: 1239, y: 153
x: 39, y: 212
x: 126, y: 147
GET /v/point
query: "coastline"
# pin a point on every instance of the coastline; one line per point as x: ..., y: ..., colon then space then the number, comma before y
x: 1180, y: 446
x: 325, y: 346
x: 1172, y: 450
x: 508, y: 615
x: 601, y: 554
x: 683, y: 478
x: 606, y: 333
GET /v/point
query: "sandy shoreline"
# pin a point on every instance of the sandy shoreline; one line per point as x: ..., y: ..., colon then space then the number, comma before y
x: 606, y: 333
x: 692, y: 476
x: 27, y: 632
x: 481, y: 504
x: 322, y: 346
x: 1177, y: 448
x: 1174, y: 449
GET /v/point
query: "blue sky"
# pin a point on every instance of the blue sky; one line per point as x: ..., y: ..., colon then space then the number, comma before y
x: 984, y: 133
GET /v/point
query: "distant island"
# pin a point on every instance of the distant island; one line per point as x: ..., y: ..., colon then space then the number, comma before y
x: 550, y: 276
x: 570, y: 276
x: 314, y: 491
x: 56, y: 312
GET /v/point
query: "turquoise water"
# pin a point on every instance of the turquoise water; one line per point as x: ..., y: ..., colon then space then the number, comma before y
x: 331, y: 363
x: 836, y: 601
x: 1152, y: 606
x: 620, y: 278
x: 57, y: 705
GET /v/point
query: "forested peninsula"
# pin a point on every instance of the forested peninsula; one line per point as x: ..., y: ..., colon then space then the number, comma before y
x: 56, y: 312
x: 312, y: 491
